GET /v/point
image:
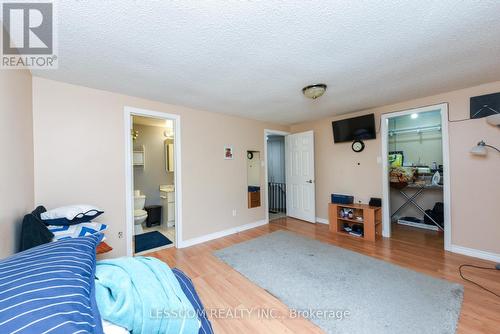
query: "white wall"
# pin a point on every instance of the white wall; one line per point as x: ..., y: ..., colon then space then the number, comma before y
x: 16, y: 167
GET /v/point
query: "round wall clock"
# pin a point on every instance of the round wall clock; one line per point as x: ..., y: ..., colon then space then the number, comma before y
x: 358, y: 146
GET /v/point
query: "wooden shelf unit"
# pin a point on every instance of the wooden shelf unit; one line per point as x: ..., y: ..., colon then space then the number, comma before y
x: 372, y: 220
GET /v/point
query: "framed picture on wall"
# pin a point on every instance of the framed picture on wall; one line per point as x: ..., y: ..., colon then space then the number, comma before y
x: 228, y: 152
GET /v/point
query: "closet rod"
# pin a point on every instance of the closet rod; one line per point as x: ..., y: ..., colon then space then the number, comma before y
x: 417, y: 130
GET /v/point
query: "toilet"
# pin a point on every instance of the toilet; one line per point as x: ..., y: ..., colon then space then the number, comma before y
x: 140, y: 214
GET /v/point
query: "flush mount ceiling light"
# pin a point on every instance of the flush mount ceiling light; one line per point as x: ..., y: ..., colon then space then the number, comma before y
x: 314, y: 91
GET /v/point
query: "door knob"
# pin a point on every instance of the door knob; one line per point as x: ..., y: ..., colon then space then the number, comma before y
x: 309, y: 181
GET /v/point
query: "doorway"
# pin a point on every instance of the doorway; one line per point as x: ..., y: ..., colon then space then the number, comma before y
x: 276, y: 184
x: 275, y: 173
x: 416, y: 197
x: 291, y: 186
x: 153, y: 180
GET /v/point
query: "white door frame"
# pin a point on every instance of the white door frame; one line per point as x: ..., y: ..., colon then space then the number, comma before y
x: 129, y: 172
x: 386, y: 215
x: 268, y: 132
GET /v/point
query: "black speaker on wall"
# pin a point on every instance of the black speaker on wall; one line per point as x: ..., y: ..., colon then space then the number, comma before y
x: 484, y: 105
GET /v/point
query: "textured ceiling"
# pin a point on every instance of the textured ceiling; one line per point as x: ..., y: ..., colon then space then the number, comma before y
x: 251, y: 58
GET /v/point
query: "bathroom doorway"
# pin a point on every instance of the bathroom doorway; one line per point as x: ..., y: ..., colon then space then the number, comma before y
x: 152, y: 182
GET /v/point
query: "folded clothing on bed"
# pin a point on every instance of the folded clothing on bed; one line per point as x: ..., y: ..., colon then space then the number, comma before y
x: 74, y: 231
x: 35, y: 231
x: 143, y: 295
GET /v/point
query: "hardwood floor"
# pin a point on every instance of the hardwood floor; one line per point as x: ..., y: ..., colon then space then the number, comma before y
x: 222, y: 289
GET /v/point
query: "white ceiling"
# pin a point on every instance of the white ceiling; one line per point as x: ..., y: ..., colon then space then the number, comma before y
x: 251, y: 58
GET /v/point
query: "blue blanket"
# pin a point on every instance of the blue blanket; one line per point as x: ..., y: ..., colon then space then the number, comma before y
x: 143, y: 295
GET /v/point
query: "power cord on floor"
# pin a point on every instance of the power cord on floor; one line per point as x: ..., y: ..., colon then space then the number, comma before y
x: 477, y: 284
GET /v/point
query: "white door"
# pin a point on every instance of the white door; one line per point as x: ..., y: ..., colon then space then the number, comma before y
x: 300, y: 187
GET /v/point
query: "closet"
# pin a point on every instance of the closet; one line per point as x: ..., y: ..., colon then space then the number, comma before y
x: 416, y: 170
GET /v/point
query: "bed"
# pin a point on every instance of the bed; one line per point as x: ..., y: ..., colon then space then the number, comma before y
x: 188, y: 288
x: 60, y: 288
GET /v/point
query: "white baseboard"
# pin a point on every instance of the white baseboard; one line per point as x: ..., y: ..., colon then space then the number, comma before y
x: 322, y: 220
x: 476, y: 253
x: 220, y: 234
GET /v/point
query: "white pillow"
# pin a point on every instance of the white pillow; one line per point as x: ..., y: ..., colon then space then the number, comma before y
x: 71, y: 212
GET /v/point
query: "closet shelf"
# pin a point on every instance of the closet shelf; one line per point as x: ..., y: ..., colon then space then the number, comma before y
x: 417, y: 130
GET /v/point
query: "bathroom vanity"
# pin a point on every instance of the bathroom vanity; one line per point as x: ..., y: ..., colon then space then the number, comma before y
x: 167, y: 195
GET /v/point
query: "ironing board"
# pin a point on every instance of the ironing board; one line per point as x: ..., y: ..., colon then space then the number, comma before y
x: 411, y: 199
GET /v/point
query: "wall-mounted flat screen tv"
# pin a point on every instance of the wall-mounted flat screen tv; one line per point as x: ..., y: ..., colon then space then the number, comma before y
x: 357, y: 128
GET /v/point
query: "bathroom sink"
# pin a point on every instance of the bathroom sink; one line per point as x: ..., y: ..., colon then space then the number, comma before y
x: 167, y: 188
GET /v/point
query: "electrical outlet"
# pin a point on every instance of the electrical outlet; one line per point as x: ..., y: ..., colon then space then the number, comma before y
x: 234, y: 212
x: 120, y: 235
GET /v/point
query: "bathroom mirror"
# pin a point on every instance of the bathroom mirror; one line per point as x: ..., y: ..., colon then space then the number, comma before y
x: 253, y: 178
x: 169, y: 155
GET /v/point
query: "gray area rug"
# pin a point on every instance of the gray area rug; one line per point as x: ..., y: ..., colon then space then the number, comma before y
x: 345, y: 292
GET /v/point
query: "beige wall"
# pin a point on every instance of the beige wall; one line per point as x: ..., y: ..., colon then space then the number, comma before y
x: 16, y: 168
x: 475, y: 180
x: 80, y: 154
